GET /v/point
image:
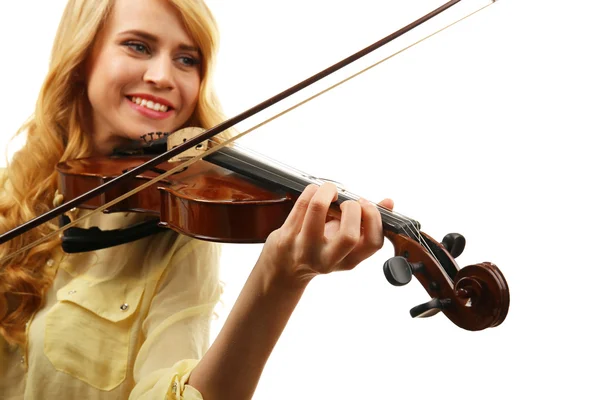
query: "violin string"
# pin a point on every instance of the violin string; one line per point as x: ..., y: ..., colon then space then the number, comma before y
x: 280, y: 168
x: 226, y: 142
x: 392, y: 215
x: 405, y: 222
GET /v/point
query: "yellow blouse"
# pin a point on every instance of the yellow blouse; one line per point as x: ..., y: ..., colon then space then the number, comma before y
x: 130, y: 321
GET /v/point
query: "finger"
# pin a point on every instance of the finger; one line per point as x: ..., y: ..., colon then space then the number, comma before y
x: 371, y: 239
x: 296, y: 217
x: 387, y: 203
x: 372, y: 225
x: 313, y: 227
x: 348, y: 235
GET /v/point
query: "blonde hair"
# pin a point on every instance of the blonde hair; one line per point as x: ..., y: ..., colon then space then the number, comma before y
x: 55, y: 133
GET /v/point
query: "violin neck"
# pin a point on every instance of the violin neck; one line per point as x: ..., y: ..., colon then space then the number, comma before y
x: 279, y: 176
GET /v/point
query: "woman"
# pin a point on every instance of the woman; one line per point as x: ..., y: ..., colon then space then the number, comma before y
x: 133, y: 320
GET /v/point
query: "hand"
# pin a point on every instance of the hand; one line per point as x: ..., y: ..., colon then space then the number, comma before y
x: 307, y: 244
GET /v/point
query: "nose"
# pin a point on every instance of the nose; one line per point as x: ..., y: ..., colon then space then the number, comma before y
x: 160, y: 72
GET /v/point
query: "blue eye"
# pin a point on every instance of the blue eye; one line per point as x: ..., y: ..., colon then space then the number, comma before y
x: 189, y: 61
x: 137, y: 47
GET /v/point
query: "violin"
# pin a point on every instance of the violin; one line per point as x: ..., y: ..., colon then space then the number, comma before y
x: 227, y: 194
x: 235, y: 196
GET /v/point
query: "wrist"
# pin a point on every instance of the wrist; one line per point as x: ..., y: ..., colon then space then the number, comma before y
x: 275, y: 276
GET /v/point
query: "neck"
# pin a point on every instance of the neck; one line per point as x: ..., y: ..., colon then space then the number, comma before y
x: 104, y: 144
x: 279, y: 176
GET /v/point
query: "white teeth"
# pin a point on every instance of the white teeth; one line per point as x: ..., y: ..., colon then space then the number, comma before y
x: 150, y: 104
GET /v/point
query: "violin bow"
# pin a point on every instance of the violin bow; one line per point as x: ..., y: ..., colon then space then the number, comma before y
x: 210, y: 133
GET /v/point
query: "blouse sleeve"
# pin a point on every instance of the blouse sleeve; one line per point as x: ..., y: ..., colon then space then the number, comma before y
x: 177, y: 328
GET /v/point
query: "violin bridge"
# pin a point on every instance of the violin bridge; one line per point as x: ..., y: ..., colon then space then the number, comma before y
x: 181, y: 136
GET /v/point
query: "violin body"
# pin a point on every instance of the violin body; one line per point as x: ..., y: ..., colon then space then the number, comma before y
x: 204, y: 201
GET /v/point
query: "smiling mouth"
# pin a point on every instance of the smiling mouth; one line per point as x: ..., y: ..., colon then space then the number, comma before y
x: 149, y: 104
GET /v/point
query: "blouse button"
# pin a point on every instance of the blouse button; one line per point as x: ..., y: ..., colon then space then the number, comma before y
x: 124, y: 307
x: 22, y: 359
x: 50, y: 262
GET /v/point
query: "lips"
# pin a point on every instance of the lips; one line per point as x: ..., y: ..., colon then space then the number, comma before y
x: 149, y: 108
x: 149, y: 104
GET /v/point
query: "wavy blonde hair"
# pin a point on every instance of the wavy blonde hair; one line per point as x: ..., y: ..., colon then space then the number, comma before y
x: 55, y: 133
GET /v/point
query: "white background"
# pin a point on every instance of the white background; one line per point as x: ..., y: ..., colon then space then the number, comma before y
x: 485, y: 129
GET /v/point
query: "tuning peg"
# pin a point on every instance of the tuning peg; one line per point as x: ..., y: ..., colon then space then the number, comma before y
x: 399, y: 271
x: 454, y: 243
x: 430, y: 308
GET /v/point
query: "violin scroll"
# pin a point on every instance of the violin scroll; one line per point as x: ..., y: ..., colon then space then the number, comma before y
x: 475, y: 297
x: 482, y: 291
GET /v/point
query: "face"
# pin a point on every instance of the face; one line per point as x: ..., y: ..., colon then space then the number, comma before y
x: 142, y: 75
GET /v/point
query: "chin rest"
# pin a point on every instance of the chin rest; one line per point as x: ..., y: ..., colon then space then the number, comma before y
x: 79, y: 240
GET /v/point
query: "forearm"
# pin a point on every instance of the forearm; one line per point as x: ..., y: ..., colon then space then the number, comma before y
x: 232, y: 366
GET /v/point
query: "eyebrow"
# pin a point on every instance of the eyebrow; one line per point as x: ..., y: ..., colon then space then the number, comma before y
x: 152, y: 38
